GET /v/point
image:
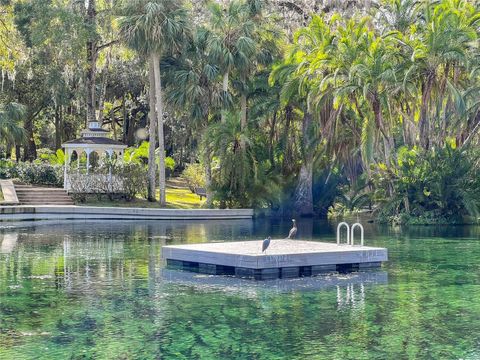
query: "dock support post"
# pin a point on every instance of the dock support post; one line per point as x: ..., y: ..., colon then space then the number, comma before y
x: 290, y: 272
x: 209, y: 269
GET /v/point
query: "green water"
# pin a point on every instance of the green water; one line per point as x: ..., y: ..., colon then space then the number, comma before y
x: 99, y: 291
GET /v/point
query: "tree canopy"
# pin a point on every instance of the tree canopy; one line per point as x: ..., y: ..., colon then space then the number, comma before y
x: 302, y: 107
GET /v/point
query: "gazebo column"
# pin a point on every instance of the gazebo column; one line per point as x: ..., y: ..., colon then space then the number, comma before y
x: 88, y: 151
x: 93, y: 139
x: 65, y: 172
x: 79, y: 155
x: 110, y: 152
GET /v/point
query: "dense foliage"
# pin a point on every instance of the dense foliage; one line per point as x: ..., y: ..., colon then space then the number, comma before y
x: 441, y: 185
x: 37, y: 172
x: 292, y: 107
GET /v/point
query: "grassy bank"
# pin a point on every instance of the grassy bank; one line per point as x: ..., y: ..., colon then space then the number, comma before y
x: 177, y: 198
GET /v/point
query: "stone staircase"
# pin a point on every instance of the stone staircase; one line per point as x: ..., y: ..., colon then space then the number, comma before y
x: 37, y: 195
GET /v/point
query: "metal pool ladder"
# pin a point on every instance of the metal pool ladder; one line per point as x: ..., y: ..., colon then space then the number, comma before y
x: 350, y: 233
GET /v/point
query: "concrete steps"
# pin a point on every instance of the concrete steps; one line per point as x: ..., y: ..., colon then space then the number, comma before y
x: 38, y: 195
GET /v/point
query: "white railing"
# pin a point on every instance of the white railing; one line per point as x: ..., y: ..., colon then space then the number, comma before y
x: 350, y: 233
x: 93, y: 183
x: 339, y: 228
x: 361, y: 233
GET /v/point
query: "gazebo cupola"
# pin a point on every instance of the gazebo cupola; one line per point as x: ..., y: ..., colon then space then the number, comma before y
x: 94, y: 139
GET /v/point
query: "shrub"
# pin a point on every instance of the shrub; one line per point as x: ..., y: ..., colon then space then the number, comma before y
x: 440, y: 185
x: 194, y: 175
x: 139, y: 155
x: 54, y: 158
x: 169, y: 166
x: 39, y: 173
x: 135, y: 179
x: 8, y: 169
x: 36, y: 173
x: 127, y: 179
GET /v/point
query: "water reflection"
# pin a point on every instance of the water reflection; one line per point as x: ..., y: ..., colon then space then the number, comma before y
x: 100, y: 290
x: 86, y: 256
x: 228, y: 283
x: 8, y: 242
x: 351, y: 296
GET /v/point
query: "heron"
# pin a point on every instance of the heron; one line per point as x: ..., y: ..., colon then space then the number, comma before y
x: 293, y: 230
x: 266, y: 243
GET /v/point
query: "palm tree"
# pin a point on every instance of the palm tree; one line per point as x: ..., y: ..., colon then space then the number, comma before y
x: 298, y: 75
x: 230, y: 42
x: 397, y: 15
x: 243, y: 180
x: 11, y: 131
x: 226, y: 139
x: 192, y: 86
x: 441, y: 52
x: 373, y: 78
x: 152, y: 116
x: 155, y: 28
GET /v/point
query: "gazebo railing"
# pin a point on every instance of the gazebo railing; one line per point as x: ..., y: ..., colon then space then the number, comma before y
x: 94, y: 183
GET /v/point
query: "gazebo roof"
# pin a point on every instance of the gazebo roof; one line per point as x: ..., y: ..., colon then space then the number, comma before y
x: 98, y: 130
x: 94, y: 137
x: 94, y: 141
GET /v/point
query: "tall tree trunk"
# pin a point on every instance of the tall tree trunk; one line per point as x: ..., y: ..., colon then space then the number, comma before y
x: 18, y: 153
x: 101, y: 101
x: 152, y: 116
x: 304, y: 193
x: 243, y: 118
x: 58, y: 127
x: 387, y: 140
x: 207, y: 159
x: 424, y: 125
x: 125, y: 119
x: 225, y: 91
x: 287, y: 160
x: 131, y: 130
x: 243, y: 106
x: 103, y: 88
x: 161, y: 139
x: 92, y: 53
x: 8, y: 150
x: 270, y: 142
x: 113, y: 121
x: 30, y: 150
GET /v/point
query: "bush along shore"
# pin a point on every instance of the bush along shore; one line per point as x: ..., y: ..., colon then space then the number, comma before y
x: 440, y: 186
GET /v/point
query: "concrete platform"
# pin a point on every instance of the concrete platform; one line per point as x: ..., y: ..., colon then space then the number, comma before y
x: 67, y: 212
x: 283, y: 259
x: 9, y: 193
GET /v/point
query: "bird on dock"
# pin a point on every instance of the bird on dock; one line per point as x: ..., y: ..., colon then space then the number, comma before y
x: 293, y: 230
x: 266, y: 243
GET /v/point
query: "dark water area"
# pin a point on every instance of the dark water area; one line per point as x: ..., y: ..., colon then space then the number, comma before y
x: 100, y: 290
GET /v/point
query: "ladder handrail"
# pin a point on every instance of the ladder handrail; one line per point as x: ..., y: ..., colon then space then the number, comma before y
x: 361, y: 233
x: 338, y: 232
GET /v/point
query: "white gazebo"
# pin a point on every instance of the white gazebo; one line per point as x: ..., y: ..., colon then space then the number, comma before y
x: 94, y: 140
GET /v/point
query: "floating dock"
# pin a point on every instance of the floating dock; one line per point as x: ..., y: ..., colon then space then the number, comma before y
x: 283, y: 258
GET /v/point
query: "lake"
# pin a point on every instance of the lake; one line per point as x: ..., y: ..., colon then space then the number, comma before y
x: 99, y: 290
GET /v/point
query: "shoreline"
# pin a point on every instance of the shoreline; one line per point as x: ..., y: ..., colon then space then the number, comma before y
x: 66, y: 212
